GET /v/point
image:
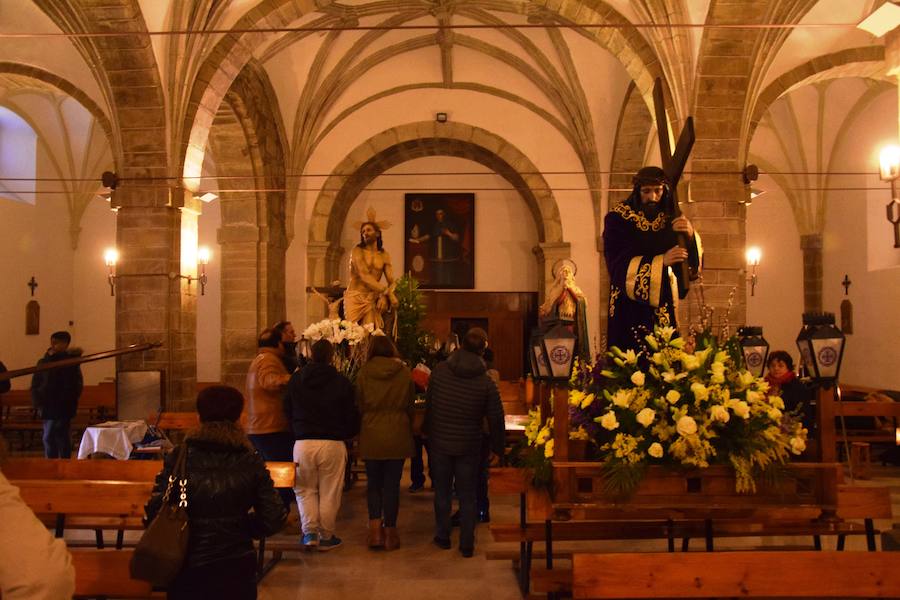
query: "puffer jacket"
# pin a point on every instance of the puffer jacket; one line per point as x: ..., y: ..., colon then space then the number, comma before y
x: 385, y: 395
x: 460, y: 395
x: 56, y: 392
x: 226, y: 478
x: 320, y: 404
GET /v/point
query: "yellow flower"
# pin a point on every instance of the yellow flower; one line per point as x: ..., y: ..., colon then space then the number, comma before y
x: 700, y: 391
x: 588, y: 400
x: 798, y: 445
x: 579, y: 434
x: 690, y: 362
x: 622, y: 397
x: 608, y: 421
x: 637, y: 378
x: 719, y: 413
x: 775, y: 414
x: 548, y: 450
x: 655, y: 450
x: 777, y: 402
x: 673, y: 396
x: 665, y: 333
x: 740, y: 408
x: 575, y: 397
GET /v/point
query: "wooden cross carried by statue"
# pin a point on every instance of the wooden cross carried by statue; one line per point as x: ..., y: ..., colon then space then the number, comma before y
x: 673, y: 166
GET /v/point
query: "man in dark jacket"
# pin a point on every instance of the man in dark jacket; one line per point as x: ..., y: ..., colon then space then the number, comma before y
x: 55, y: 393
x: 321, y: 409
x: 460, y: 396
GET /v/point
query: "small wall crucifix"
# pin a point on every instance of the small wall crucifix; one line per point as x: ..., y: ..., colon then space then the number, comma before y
x: 846, y: 307
x: 32, y: 284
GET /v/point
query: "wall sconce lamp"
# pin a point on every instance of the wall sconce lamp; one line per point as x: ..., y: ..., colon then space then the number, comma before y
x: 889, y: 170
x: 754, y: 255
x: 111, y: 257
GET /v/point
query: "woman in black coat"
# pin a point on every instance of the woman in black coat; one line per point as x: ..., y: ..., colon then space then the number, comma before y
x: 226, y: 478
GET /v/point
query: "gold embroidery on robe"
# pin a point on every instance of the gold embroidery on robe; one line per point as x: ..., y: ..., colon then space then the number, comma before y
x: 630, y: 276
x: 662, y: 317
x: 613, y: 297
x: 640, y: 221
x: 656, y: 279
x: 642, y: 283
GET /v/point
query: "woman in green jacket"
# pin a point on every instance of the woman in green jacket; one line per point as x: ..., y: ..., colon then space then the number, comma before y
x: 385, y: 395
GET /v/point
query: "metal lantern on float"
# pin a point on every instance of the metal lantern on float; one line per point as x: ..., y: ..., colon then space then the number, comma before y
x: 559, y: 350
x: 821, y: 346
x: 540, y: 369
x: 755, y: 348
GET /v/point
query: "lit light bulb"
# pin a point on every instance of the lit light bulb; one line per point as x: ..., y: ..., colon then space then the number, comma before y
x: 889, y: 162
x: 754, y: 254
x: 111, y: 257
x: 203, y: 255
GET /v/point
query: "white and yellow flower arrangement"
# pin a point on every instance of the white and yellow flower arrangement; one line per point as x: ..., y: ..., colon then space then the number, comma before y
x: 670, y: 405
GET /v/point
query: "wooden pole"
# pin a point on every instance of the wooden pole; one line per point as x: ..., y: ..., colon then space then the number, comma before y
x: 827, y: 451
x: 4, y: 375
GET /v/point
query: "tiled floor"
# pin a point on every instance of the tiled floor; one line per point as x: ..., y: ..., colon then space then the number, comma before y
x: 421, y: 570
x: 417, y: 570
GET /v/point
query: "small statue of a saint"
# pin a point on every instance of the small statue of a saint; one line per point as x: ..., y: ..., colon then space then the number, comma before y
x: 368, y: 298
x: 333, y: 304
x: 566, y: 303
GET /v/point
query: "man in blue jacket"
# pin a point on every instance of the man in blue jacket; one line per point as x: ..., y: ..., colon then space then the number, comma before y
x: 460, y: 396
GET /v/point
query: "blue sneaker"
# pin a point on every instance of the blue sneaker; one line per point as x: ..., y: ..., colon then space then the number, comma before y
x: 310, y: 540
x: 329, y: 544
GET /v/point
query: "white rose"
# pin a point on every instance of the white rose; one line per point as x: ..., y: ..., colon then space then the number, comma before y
x: 637, y: 378
x: 646, y: 417
x: 797, y: 445
x: 608, y: 421
x: 673, y: 396
x: 719, y: 413
x: 700, y: 391
x: 686, y: 426
x: 655, y: 450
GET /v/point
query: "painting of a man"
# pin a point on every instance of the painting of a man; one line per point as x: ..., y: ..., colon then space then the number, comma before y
x: 440, y: 248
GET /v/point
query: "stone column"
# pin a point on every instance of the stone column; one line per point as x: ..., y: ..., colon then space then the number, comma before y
x: 153, y: 302
x: 811, y: 245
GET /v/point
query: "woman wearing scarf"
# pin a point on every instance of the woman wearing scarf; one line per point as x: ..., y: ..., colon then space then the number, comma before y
x: 782, y: 380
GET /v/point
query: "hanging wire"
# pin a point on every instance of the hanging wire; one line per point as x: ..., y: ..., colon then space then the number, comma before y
x: 426, y: 26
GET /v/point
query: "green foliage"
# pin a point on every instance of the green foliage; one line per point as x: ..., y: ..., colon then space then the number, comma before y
x: 410, y: 312
x: 620, y: 479
x: 531, y: 458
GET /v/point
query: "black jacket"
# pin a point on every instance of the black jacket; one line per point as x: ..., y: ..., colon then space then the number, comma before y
x: 320, y: 404
x: 4, y: 385
x: 226, y: 478
x: 56, y: 392
x: 460, y: 395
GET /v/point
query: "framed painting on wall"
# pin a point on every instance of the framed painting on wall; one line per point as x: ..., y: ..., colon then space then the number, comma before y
x: 440, y: 240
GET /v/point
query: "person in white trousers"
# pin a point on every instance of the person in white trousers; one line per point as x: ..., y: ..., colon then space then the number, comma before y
x: 322, y: 412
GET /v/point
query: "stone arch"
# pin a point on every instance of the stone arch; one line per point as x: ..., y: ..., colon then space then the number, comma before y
x: 232, y: 52
x: 415, y: 140
x: 866, y: 62
x: 70, y: 89
x: 248, y: 147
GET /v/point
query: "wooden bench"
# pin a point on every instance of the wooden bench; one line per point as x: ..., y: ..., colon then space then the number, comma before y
x: 861, y: 401
x: 21, y: 471
x: 106, y: 573
x: 737, y: 575
x: 96, y: 404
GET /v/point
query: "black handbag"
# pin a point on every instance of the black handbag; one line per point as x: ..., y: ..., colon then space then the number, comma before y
x: 160, y: 553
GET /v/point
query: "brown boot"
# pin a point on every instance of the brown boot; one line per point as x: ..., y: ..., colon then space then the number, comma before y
x: 376, y: 534
x: 391, y: 539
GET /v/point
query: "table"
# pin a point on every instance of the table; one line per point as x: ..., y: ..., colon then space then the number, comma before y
x: 116, y: 438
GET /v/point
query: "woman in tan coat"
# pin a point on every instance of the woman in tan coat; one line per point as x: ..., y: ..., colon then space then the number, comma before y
x: 385, y: 395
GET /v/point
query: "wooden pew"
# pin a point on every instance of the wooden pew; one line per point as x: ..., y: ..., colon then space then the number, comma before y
x: 106, y: 573
x: 22, y: 471
x: 737, y: 575
x: 175, y: 421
